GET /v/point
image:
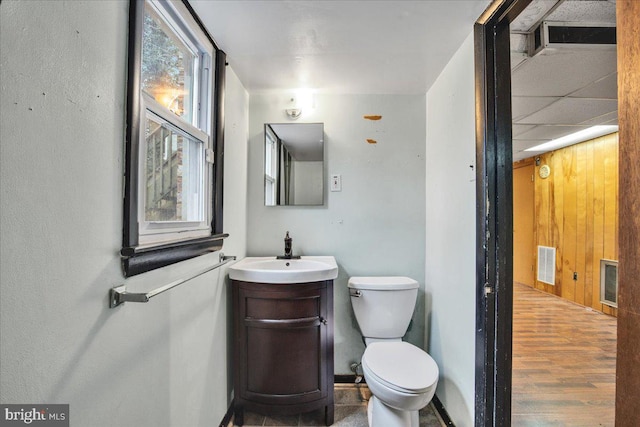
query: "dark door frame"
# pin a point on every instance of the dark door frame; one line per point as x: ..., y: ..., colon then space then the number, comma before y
x: 494, y: 213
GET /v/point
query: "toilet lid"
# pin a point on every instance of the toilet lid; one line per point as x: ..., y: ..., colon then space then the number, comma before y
x: 400, y: 366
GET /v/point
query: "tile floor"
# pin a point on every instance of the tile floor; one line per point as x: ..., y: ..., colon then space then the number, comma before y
x: 350, y: 411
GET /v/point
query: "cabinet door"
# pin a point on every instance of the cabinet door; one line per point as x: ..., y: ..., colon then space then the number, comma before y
x: 283, y: 336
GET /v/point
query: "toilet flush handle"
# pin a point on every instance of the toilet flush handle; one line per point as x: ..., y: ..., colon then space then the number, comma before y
x: 355, y: 293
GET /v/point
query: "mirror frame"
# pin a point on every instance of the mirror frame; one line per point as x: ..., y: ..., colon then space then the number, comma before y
x: 268, y: 129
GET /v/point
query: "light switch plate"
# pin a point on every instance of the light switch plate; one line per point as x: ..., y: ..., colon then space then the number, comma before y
x: 336, y: 182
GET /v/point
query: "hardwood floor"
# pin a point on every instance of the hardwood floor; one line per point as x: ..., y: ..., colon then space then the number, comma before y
x: 564, y: 361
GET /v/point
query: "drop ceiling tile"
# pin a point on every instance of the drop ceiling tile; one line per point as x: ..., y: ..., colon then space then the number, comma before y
x: 546, y: 132
x: 605, y: 119
x: 521, y: 155
x: 523, y: 144
x: 526, y: 154
x: 569, y: 111
x: 517, y: 129
x: 517, y: 59
x: 532, y: 14
x: 584, y: 11
x: 522, y: 106
x: 605, y: 88
x: 559, y: 72
x: 519, y: 43
x: 610, y: 122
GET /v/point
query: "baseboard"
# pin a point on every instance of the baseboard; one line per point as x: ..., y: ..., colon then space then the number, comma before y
x: 347, y: 379
x: 442, y: 412
x: 227, y: 417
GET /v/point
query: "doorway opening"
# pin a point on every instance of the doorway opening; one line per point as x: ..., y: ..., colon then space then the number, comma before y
x: 495, y: 210
x: 564, y: 88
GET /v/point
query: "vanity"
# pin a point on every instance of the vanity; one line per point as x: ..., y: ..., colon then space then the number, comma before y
x: 283, y: 335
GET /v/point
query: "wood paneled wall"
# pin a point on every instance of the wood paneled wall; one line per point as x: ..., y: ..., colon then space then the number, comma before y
x: 576, y: 211
x: 524, y: 248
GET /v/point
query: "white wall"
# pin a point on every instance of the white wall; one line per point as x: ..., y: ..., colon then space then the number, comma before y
x: 167, y: 362
x: 236, y: 134
x: 450, y: 233
x: 375, y: 226
x: 164, y: 363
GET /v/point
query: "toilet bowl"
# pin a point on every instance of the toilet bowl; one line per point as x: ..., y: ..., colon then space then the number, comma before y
x: 402, y: 377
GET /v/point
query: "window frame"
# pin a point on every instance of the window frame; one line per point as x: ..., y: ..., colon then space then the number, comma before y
x: 150, y: 233
x: 138, y: 257
x: 271, y: 172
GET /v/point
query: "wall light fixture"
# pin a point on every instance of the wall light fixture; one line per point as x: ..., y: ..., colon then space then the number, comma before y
x: 293, y: 113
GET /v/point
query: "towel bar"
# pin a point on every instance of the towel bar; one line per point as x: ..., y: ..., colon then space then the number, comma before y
x: 119, y: 294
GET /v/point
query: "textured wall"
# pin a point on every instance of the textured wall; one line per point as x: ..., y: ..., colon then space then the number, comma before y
x: 576, y: 212
x: 450, y: 233
x: 375, y: 225
x: 163, y: 363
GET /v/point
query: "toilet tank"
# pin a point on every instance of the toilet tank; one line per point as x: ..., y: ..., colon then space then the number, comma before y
x: 383, y: 306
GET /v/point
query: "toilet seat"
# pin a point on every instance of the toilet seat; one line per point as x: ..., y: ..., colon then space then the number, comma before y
x: 400, y: 366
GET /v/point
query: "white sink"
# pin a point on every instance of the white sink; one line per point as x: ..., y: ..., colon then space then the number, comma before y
x: 272, y: 270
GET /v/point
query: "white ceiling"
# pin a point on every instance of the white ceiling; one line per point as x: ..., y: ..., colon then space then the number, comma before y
x: 400, y: 47
x: 561, y: 91
x: 364, y: 47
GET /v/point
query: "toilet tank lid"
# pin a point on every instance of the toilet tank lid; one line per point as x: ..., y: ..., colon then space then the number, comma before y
x: 383, y: 283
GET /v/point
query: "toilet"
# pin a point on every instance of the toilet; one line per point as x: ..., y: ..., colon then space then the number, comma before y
x: 402, y: 377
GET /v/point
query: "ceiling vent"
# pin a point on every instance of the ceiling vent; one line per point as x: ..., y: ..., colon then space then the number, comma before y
x: 572, y: 35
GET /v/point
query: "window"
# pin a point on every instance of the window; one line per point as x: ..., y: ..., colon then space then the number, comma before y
x: 270, y: 167
x: 173, y: 171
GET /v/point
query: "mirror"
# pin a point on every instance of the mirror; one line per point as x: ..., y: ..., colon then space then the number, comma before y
x: 293, y: 164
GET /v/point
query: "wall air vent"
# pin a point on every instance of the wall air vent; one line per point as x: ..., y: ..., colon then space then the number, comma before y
x: 609, y: 282
x: 547, y: 265
x: 567, y: 35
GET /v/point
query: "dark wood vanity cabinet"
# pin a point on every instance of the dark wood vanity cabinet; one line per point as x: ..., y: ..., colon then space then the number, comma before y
x: 283, y: 349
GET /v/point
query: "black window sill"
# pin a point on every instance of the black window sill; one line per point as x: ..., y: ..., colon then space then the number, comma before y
x: 137, y: 260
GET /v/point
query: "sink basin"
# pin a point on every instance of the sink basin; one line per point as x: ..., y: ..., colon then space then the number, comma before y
x: 272, y: 270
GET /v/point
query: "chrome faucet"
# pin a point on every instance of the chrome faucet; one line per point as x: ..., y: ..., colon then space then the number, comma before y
x: 287, y: 249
